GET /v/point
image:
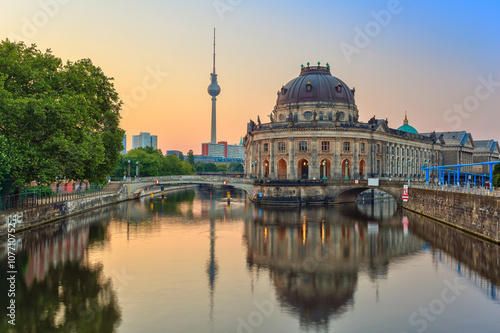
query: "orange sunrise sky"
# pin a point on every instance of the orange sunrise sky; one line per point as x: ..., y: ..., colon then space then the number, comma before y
x: 439, y: 61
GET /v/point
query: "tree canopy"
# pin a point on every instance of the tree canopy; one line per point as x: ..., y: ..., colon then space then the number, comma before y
x: 496, y: 175
x: 57, y: 120
x: 151, y: 162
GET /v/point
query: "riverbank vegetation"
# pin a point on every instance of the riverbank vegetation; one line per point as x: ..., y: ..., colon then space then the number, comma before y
x: 146, y: 162
x: 58, y: 120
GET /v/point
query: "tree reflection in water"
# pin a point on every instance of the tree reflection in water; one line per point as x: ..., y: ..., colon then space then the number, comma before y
x: 57, y: 289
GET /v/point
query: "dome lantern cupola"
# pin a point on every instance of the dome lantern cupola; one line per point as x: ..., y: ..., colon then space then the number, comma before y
x: 407, y: 128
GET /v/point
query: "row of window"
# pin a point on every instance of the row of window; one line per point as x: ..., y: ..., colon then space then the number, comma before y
x: 325, y: 146
x: 411, y: 153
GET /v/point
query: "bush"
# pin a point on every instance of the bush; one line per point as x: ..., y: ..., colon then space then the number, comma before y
x: 42, y: 191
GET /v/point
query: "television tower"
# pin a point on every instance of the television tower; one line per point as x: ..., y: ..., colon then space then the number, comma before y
x: 214, y: 90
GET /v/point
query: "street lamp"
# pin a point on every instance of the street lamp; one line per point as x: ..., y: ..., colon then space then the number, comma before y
x: 128, y: 174
x: 346, y: 170
x: 137, y: 169
x: 323, y: 163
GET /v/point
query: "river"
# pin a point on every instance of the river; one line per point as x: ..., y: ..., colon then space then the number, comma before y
x: 190, y: 262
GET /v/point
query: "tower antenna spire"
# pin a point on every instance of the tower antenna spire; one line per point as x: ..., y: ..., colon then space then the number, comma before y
x: 214, y: 90
x: 214, y: 50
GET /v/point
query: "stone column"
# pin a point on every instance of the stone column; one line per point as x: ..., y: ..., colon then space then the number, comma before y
x: 273, y: 167
x: 314, y: 165
x: 355, y: 158
x: 259, y: 159
x: 291, y: 159
x: 337, y: 171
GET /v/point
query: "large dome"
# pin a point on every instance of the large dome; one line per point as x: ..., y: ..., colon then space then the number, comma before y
x: 316, y: 84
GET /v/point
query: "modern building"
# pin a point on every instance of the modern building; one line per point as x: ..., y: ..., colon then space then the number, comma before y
x: 222, y: 149
x: 314, y: 132
x: 174, y: 152
x: 124, y: 143
x: 143, y: 140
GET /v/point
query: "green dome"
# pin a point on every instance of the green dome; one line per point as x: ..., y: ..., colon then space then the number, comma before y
x: 408, y: 128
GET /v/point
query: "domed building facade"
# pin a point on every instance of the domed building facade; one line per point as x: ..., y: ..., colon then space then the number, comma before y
x: 314, y: 132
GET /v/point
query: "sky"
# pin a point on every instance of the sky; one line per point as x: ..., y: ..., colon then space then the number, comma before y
x: 438, y: 60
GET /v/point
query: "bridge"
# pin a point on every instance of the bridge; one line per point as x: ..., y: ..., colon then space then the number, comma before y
x: 291, y: 192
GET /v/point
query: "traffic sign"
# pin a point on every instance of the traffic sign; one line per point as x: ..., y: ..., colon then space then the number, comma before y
x: 254, y: 193
x: 405, y: 193
x: 356, y: 181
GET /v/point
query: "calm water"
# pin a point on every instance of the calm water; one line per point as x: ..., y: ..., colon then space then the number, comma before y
x: 191, y: 263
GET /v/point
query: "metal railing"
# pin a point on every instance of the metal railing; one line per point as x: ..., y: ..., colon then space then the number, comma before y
x: 35, y: 197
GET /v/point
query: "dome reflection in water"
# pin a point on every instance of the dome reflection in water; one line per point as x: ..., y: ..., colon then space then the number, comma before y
x: 315, y: 255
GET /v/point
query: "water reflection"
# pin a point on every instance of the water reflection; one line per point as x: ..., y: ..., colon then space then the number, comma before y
x: 472, y: 258
x: 57, y: 290
x: 314, y: 255
x: 318, y: 260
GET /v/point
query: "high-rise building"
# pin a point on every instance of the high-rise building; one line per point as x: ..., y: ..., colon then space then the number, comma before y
x: 222, y: 149
x: 143, y: 140
x: 124, y: 143
x: 214, y: 90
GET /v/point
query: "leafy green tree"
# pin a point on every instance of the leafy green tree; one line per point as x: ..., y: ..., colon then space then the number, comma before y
x: 151, y: 163
x: 57, y: 120
x: 205, y: 167
x: 190, y: 158
x: 235, y: 167
x: 496, y: 175
x: 222, y: 168
x: 4, y: 159
x: 181, y: 156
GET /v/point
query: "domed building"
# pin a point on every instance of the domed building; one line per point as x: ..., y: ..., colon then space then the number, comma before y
x: 314, y: 132
x: 406, y: 127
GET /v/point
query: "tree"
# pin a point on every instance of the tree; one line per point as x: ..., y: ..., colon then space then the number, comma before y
x: 151, y: 163
x: 190, y: 158
x: 496, y: 175
x: 235, y: 167
x: 222, y: 167
x: 58, y: 120
x: 181, y: 156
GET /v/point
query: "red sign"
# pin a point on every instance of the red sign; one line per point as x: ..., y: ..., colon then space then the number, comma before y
x: 356, y: 181
x: 405, y: 194
x: 254, y: 193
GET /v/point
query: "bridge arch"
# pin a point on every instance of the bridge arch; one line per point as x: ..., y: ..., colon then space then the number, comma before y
x: 351, y: 194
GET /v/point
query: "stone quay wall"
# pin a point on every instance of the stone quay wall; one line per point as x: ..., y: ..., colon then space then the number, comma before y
x: 31, y: 217
x: 476, y: 214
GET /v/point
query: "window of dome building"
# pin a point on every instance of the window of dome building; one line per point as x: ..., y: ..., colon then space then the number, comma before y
x: 330, y: 116
x: 281, y: 146
x: 325, y: 145
x: 347, y: 146
x: 392, y: 150
x: 378, y: 148
x: 302, y: 145
x: 321, y: 115
x: 308, y: 115
x: 266, y: 146
x: 362, y: 147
